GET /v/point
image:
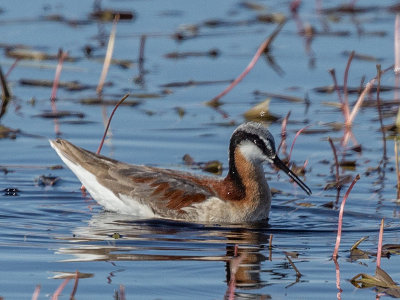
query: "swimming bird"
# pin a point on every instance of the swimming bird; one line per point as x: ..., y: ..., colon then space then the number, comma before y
x: 150, y: 192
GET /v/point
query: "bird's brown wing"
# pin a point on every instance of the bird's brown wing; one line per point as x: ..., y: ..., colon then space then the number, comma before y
x: 167, y: 192
x: 162, y: 189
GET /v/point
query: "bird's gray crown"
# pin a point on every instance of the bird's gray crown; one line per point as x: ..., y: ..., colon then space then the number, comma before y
x: 256, y: 133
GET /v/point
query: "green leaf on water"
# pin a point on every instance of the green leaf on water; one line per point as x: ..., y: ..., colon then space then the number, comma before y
x: 381, y: 280
x: 391, y: 249
x: 356, y: 244
x: 355, y: 253
x: 260, y: 112
x: 213, y: 166
x: 6, y: 132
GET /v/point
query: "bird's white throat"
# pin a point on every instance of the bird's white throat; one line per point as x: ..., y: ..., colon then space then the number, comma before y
x: 252, y: 153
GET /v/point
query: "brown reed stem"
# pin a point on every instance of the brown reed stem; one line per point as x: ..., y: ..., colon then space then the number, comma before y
x: 359, y: 102
x: 36, y: 293
x: 295, y: 138
x: 72, y: 296
x: 337, y: 271
x: 5, y: 97
x: 107, y: 59
x: 270, y: 246
x: 122, y: 292
x: 61, y: 56
x: 12, y: 67
x: 335, y: 85
x: 282, y: 144
x: 378, y: 100
x: 4, y: 87
x: 270, y: 241
x: 380, y: 240
x: 60, y: 289
x: 234, y: 264
x: 336, y: 161
x: 340, y: 220
x: 345, y: 104
x: 261, y: 49
x: 397, y: 44
x: 109, y: 121
x: 298, y: 274
x: 141, y: 58
x: 396, y: 153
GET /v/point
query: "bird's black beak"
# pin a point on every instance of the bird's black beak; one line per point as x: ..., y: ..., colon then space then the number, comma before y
x: 277, y: 162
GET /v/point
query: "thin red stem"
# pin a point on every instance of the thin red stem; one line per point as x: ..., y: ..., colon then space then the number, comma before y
x: 109, y: 121
x: 12, y: 67
x: 72, y: 296
x: 378, y: 99
x: 61, y: 56
x: 340, y: 220
x: 336, y: 159
x: 359, y: 102
x: 122, y: 292
x: 295, y: 138
x: 333, y: 74
x: 36, y: 293
x: 337, y: 269
x: 60, y: 289
x: 284, y: 134
x: 396, y: 153
x: 345, y: 104
x: 262, y: 48
x: 107, y: 59
x: 397, y: 44
x: 379, y: 252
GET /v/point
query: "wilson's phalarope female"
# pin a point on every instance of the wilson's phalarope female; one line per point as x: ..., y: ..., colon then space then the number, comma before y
x: 242, y: 196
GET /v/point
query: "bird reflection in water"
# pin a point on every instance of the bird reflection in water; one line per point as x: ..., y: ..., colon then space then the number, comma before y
x: 113, y: 237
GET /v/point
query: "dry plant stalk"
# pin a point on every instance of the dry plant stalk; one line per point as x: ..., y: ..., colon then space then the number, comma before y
x: 5, y: 93
x: 397, y: 44
x: 345, y: 103
x: 379, y: 252
x: 284, y: 134
x: 270, y: 246
x: 60, y: 289
x: 337, y: 271
x: 336, y: 160
x: 12, y: 67
x: 397, y: 63
x: 140, y: 78
x: 294, y: 140
x: 270, y: 241
x: 36, y: 293
x: 359, y: 102
x: 61, y: 56
x: 261, y: 49
x: 107, y: 59
x: 234, y: 264
x: 72, y: 296
x: 397, y: 167
x: 109, y: 122
x: 333, y: 74
x: 122, y: 292
x: 340, y: 220
x: 4, y: 86
x: 378, y: 100
x: 298, y: 274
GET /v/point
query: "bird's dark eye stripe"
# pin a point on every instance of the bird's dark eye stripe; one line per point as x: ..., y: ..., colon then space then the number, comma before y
x: 267, y: 148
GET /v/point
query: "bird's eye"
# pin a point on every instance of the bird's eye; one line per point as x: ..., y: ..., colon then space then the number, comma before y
x: 257, y: 142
